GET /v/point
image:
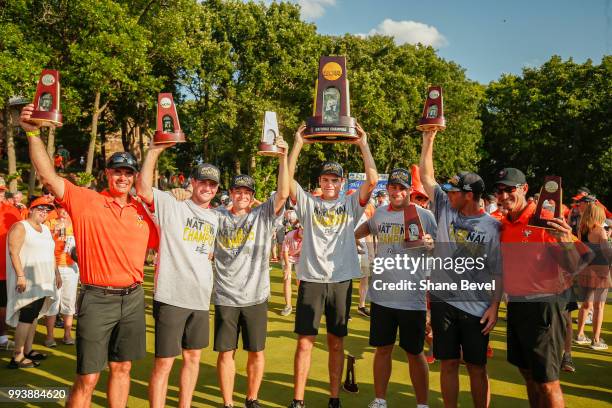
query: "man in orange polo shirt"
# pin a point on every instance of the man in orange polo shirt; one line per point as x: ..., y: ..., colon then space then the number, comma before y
x: 8, y: 216
x: 112, y: 232
x: 538, y: 264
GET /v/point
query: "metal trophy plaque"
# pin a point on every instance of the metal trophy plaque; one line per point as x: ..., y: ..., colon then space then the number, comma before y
x: 433, y: 112
x: 549, y: 203
x: 267, y: 146
x: 168, y: 126
x: 47, y: 100
x: 349, y: 383
x: 331, y: 121
x: 413, y: 229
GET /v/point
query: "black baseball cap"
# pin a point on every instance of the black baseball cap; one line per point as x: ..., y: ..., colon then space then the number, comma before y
x: 206, y: 171
x: 382, y: 193
x: 243, y: 180
x: 400, y: 176
x: 510, y: 177
x: 588, y: 199
x: 122, y: 160
x: 331, y: 167
x: 465, y: 181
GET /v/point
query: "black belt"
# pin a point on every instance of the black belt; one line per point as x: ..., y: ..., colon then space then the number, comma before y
x: 111, y: 290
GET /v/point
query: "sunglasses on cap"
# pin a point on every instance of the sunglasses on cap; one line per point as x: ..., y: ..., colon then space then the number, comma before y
x: 122, y: 160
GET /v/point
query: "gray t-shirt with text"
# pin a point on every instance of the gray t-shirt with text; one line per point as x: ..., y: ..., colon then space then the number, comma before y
x: 329, y: 251
x: 183, y: 276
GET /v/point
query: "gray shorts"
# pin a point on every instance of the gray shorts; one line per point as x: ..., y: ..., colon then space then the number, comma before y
x: 109, y: 328
x: 231, y: 321
x: 315, y: 299
x: 178, y: 328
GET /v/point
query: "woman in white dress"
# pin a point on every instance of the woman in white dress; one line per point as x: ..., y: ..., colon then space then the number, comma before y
x: 32, y: 279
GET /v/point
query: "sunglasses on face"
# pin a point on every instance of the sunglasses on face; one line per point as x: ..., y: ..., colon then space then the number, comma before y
x: 500, y: 189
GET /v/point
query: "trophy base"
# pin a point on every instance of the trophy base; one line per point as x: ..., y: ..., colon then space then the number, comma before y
x: 413, y: 244
x: 342, y: 132
x: 431, y: 124
x: 540, y: 223
x: 352, y: 388
x: 161, y: 138
x: 47, y: 119
x: 270, y: 150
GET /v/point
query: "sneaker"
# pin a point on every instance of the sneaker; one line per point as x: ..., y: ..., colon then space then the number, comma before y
x: 589, y: 319
x: 297, y: 404
x: 600, y: 345
x: 50, y: 343
x: 252, y: 404
x: 286, y: 311
x: 378, y: 403
x: 582, y: 340
x: 334, y: 403
x: 567, y: 364
x: 7, y: 345
x: 364, y: 311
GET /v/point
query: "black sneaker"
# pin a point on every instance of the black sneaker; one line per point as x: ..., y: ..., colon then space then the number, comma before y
x: 567, y: 364
x: 364, y: 311
x: 334, y: 403
x: 252, y: 404
x: 297, y: 404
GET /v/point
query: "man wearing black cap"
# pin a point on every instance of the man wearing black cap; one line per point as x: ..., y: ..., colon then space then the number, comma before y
x: 183, y: 277
x: 328, y: 262
x: 398, y: 310
x: 112, y: 232
x: 242, y: 279
x: 462, y: 316
x: 538, y: 264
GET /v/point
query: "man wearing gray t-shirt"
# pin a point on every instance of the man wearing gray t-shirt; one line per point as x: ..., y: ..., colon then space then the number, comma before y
x: 467, y: 253
x: 242, y: 279
x: 183, y: 277
x: 328, y: 263
x: 391, y: 309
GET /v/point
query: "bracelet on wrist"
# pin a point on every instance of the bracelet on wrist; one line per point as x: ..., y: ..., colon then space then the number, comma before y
x: 33, y: 133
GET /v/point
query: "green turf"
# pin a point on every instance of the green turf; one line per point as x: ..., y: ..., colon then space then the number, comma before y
x: 590, y: 386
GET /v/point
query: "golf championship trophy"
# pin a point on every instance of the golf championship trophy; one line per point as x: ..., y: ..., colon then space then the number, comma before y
x: 47, y: 100
x: 331, y: 121
x: 433, y: 112
x: 267, y: 146
x: 349, y: 383
x: 550, y: 201
x: 413, y: 229
x: 168, y: 126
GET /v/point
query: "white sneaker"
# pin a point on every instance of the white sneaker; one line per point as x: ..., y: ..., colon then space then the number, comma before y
x: 286, y: 311
x: 600, y: 345
x: 7, y: 345
x: 582, y: 340
x: 378, y: 403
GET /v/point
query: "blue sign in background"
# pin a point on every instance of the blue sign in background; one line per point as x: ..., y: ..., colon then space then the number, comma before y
x: 355, y: 180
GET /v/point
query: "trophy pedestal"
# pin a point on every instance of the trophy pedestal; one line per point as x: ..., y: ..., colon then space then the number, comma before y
x: 431, y: 124
x: 343, y: 131
x: 164, y: 137
x: 47, y: 118
x: 349, y: 383
x: 266, y: 149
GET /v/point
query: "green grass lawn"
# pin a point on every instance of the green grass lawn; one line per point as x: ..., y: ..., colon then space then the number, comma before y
x: 590, y: 386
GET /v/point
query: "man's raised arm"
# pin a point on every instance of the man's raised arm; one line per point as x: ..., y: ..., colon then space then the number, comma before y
x: 365, y: 190
x: 38, y: 154
x: 298, y: 142
x: 426, y: 168
x: 144, y: 182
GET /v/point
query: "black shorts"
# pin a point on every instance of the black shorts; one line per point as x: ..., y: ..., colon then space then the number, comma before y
x: 30, y: 312
x: 251, y: 321
x: 3, y: 294
x: 536, y: 338
x: 384, y: 322
x: 109, y: 328
x: 314, y: 299
x: 178, y: 328
x: 456, y: 332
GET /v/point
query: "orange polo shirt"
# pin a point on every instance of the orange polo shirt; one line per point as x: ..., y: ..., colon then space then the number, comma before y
x: 111, y: 240
x: 8, y: 216
x: 529, y: 261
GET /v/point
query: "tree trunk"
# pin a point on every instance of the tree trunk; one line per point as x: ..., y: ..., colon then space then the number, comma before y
x: 94, y: 132
x: 237, y: 166
x: 253, y: 163
x: 10, y: 147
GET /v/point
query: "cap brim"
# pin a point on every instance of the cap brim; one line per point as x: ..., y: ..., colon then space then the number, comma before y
x: 250, y: 188
x: 331, y: 172
x: 401, y: 183
x: 206, y: 178
x: 123, y: 166
x: 512, y: 183
x: 449, y: 187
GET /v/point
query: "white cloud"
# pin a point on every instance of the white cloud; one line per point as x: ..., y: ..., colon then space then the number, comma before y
x: 312, y: 9
x: 411, y: 32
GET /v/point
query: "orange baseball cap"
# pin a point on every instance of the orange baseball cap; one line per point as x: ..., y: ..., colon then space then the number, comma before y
x: 40, y: 201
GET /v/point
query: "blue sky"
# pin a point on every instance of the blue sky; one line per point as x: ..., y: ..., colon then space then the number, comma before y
x: 487, y: 38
